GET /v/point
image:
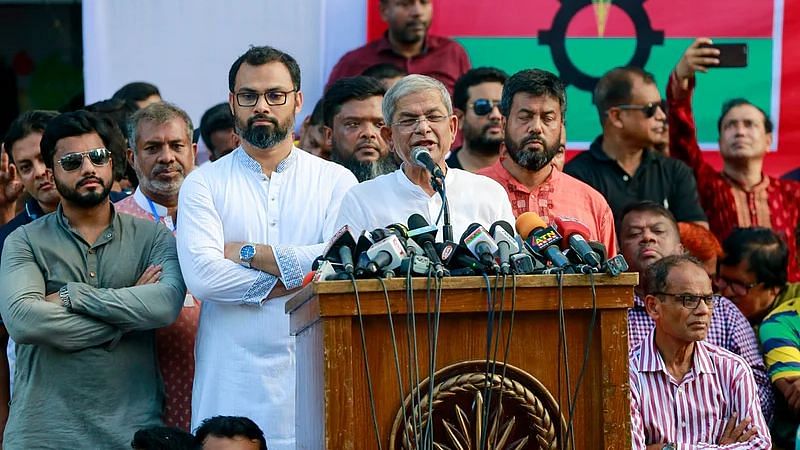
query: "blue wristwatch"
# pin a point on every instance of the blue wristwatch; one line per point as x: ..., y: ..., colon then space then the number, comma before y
x: 246, y: 255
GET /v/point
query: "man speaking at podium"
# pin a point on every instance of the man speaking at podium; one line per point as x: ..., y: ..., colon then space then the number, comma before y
x: 420, y: 126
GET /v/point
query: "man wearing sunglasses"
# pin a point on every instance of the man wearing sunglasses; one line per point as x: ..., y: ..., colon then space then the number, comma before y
x: 648, y: 234
x: 741, y: 195
x: 476, y: 103
x: 621, y: 163
x: 249, y: 227
x: 534, y: 103
x: 81, y: 291
x: 686, y: 392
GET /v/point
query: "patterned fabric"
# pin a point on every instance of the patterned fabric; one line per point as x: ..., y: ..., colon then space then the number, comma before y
x: 559, y: 196
x: 175, y: 343
x: 773, y: 203
x: 692, y: 412
x: 441, y: 58
x: 729, y: 330
x: 780, y: 337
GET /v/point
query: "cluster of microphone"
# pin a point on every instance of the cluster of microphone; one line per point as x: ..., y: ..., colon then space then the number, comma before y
x: 399, y: 249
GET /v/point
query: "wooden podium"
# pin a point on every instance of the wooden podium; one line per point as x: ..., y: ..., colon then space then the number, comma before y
x: 333, y: 409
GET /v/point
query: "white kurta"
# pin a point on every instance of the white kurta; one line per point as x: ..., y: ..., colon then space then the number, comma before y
x: 392, y: 198
x: 245, y: 363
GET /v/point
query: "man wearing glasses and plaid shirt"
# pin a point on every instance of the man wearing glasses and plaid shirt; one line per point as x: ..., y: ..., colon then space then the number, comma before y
x: 622, y: 163
x: 686, y: 392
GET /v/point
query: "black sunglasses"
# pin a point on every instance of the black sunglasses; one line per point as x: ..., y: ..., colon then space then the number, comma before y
x: 649, y: 109
x: 484, y: 106
x: 72, y: 161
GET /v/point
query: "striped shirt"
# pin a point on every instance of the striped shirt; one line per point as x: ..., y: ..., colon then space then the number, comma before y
x: 692, y: 412
x: 729, y: 329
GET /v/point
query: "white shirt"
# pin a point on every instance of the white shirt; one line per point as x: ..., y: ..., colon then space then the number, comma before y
x: 392, y: 198
x: 245, y: 364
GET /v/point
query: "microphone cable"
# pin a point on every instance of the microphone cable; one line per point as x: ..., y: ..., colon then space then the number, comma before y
x: 508, y: 343
x: 366, y: 362
x: 396, y: 359
x: 413, y: 357
x: 489, y: 338
x: 433, y: 340
x: 497, y: 338
x: 586, y: 353
x: 562, y: 338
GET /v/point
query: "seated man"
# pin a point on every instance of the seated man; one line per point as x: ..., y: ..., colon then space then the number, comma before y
x: 685, y: 392
x: 780, y: 339
x: 753, y: 272
x: 418, y: 112
x: 649, y: 233
x: 228, y: 432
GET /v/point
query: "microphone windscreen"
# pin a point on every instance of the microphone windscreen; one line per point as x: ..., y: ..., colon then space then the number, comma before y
x: 469, y: 230
x: 416, y: 221
x: 527, y: 222
x: 598, y: 248
x: 569, y: 227
x: 504, y: 225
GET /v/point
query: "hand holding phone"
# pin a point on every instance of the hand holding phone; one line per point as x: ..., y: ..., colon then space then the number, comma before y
x: 730, y: 54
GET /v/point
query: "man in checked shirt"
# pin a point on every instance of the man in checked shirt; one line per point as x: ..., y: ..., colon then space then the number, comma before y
x: 647, y: 234
x: 685, y: 392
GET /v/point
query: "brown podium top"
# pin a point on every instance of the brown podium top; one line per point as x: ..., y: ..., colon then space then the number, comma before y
x: 459, y: 294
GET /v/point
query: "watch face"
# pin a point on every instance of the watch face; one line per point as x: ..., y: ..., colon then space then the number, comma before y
x: 247, y: 252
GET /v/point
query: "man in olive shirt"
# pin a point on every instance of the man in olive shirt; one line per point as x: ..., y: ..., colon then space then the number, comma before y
x: 81, y: 291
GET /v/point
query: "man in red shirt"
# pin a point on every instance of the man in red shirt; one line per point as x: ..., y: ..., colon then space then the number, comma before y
x: 407, y: 44
x: 741, y: 195
x: 534, y: 104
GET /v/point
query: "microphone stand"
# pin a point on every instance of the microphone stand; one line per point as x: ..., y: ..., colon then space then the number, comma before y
x: 447, y: 228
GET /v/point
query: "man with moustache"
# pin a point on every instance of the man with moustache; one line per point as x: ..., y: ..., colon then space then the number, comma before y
x: 418, y: 113
x: 81, y: 291
x: 476, y: 103
x: 250, y: 226
x: 353, y: 122
x: 741, y: 194
x: 162, y: 153
x: 686, y: 392
x: 534, y: 103
x: 621, y: 163
x: 649, y: 233
x: 407, y: 45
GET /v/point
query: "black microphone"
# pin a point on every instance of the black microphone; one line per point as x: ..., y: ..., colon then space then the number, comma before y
x: 480, y: 244
x: 340, y: 249
x: 426, y: 240
x: 422, y: 157
x: 503, y: 235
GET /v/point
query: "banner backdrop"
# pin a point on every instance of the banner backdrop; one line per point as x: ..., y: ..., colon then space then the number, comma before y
x: 581, y: 39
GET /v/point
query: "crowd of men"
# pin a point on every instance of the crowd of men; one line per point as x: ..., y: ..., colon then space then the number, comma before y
x: 143, y: 287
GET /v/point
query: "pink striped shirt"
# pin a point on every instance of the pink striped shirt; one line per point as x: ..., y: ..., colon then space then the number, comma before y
x: 692, y: 412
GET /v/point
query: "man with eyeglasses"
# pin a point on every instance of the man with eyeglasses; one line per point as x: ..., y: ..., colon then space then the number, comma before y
x: 418, y: 113
x: 408, y: 45
x: 649, y: 233
x: 534, y: 103
x: 621, y: 163
x: 82, y: 290
x: 353, y: 121
x: 476, y: 103
x: 686, y: 392
x: 249, y: 227
x: 741, y: 194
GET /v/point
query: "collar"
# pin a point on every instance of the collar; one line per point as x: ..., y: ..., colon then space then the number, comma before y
x: 384, y: 45
x: 33, y: 210
x: 144, y: 202
x: 251, y: 165
x: 410, y: 186
x: 596, y: 151
x: 760, y: 186
x: 106, y: 236
x: 506, y: 179
x: 651, y: 360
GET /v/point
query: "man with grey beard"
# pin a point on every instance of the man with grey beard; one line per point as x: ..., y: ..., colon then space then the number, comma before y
x: 162, y: 154
x: 250, y: 226
x: 534, y: 103
x: 353, y: 120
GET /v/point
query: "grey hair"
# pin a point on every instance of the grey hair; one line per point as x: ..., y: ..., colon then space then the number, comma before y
x: 159, y: 113
x: 411, y: 84
x: 656, y: 275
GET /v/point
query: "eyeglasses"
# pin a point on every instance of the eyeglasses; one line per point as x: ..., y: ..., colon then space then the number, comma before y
x: 691, y: 301
x: 649, y: 109
x: 273, y: 98
x: 484, y: 106
x: 72, y: 161
x: 411, y: 123
x: 736, y: 287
